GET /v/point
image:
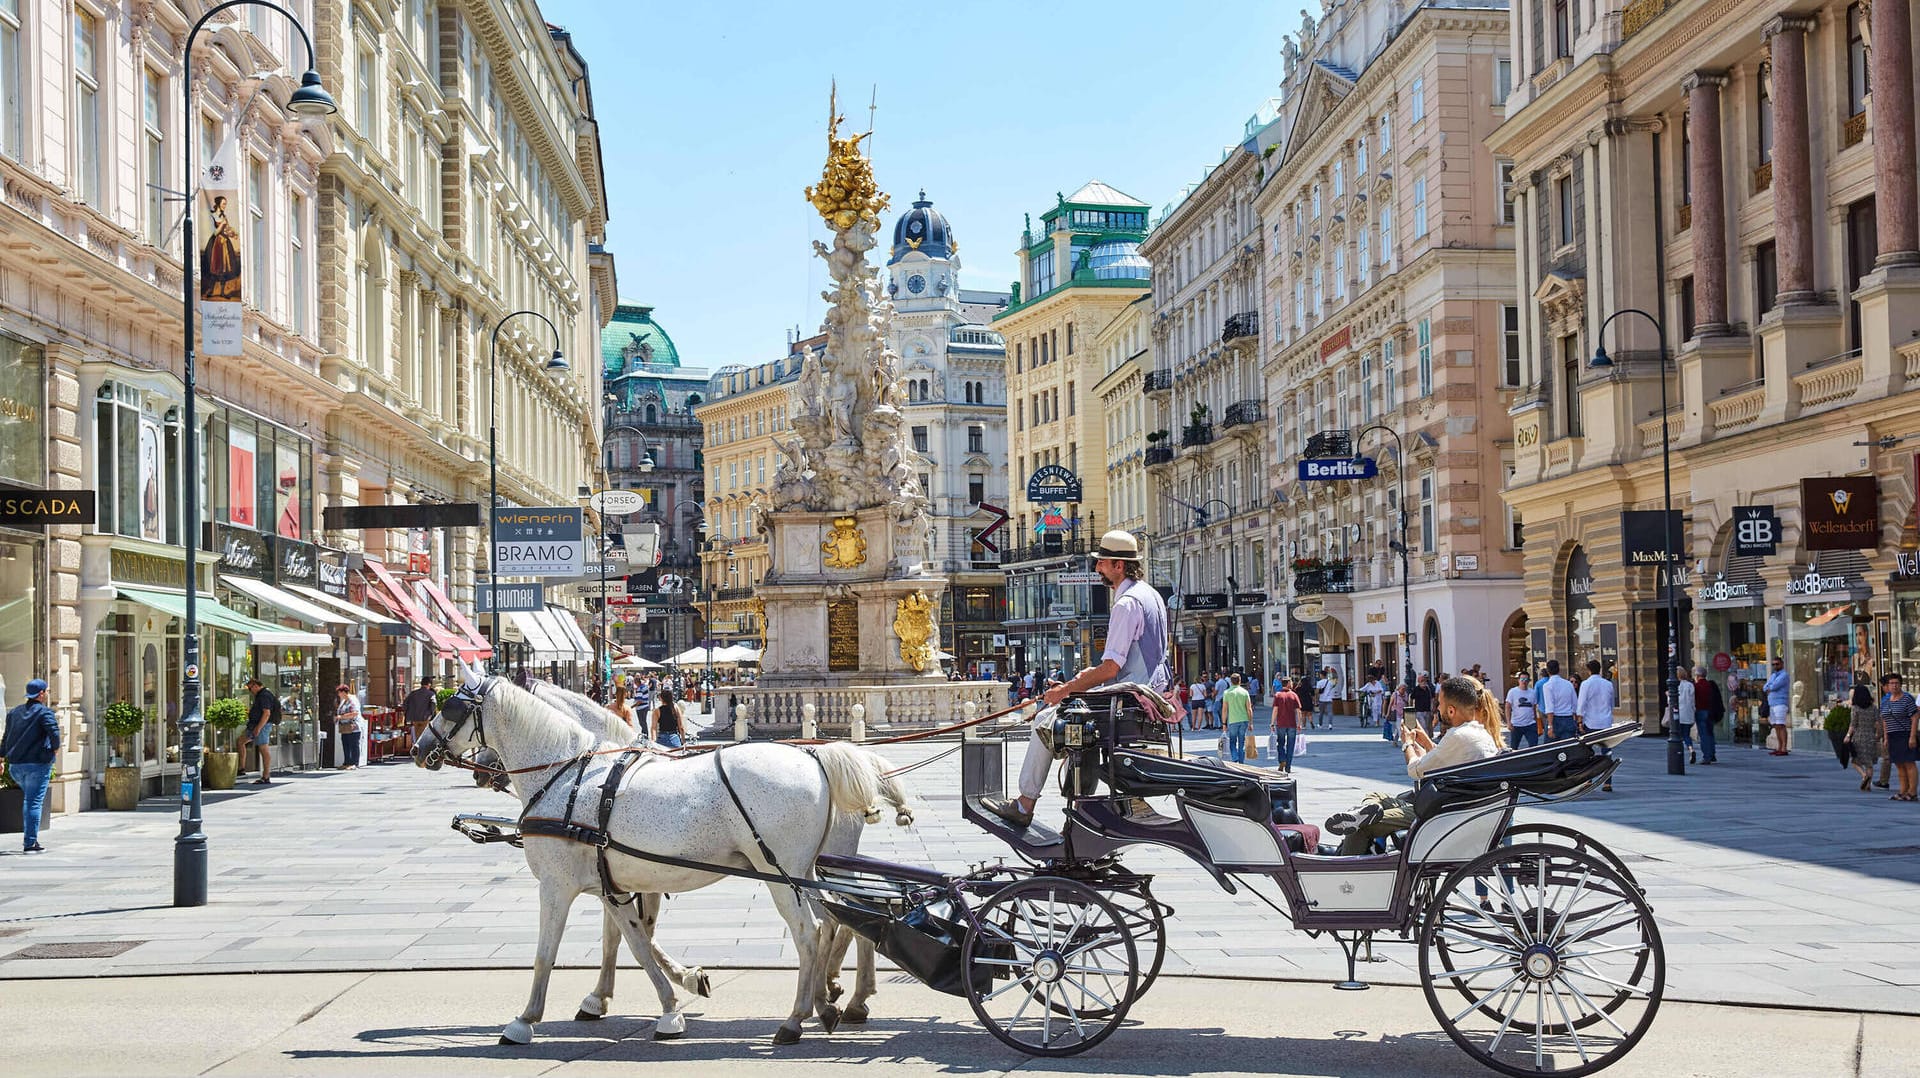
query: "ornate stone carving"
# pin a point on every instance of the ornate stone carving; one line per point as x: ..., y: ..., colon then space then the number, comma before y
x: 913, y: 624
x: 845, y: 548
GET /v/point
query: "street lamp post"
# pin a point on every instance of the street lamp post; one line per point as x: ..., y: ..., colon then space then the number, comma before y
x: 601, y: 675
x: 190, y: 846
x: 1406, y: 562
x: 1676, y: 755
x: 555, y: 365
x: 1199, y: 520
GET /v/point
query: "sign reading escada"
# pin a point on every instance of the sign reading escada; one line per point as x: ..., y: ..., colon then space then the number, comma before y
x: 1355, y: 468
x: 31, y: 508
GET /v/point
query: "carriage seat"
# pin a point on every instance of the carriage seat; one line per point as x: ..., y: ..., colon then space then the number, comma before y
x: 1555, y: 768
x: 1266, y: 797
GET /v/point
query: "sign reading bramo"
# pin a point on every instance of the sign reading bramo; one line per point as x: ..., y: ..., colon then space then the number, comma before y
x: 539, y: 541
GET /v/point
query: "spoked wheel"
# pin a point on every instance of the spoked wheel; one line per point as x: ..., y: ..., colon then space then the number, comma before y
x: 1555, y: 957
x: 1146, y: 919
x: 1553, y: 834
x: 1051, y: 968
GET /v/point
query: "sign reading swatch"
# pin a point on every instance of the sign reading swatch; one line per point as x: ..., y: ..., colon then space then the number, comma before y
x: 217, y: 223
x: 539, y: 541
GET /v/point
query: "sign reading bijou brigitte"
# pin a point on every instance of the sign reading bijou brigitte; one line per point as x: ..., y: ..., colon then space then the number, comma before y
x: 1841, y: 512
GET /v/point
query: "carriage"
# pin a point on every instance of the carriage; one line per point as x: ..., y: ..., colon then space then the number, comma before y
x: 1537, y: 951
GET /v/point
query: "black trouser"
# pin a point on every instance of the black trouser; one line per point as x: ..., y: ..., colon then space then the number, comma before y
x: 349, y: 748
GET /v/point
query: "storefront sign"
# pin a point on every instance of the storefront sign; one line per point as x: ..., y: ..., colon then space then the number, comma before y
x: 1315, y: 611
x: 1814, y: 583
x: 1722, y: 662
x: 1641, y: 540
x: 647, y: 583
x: 1906, y: 566
x: 1756, y: 531
x: 1053, y: 483
x: 1323, y: 470
x: 371, y: 517
x: 295, y: 562
x: 514, y: 598
x: 1249, y: 598
x: 1842, y: 512
x: 31, y: 508
x: 148, y: 570
x: 1342, y: 338
x: 540, y: 541
x: 1205, y: 600
x: 1466, y: 563
x: 1070, y: 579
x: 243, y: 552
x: 1579, y: 585
x: 332, y: 571
x: 1609, y: 647
x: 1723, y: 590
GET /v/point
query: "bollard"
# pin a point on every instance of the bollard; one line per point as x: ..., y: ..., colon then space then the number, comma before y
x: 858, y: 731
x: 740, y: 722
x: 967, y: 711
x: 809, y: 726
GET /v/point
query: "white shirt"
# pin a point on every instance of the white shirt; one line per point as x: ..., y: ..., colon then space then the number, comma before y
x: 1374, y: 691
x: 1463, y: 744
x: 1596, y: 703
x: 1323, y: 690
x: 1683, y: 692
x: 1198, y: 691
x: 1557, y: 696
x: 1520, y: 704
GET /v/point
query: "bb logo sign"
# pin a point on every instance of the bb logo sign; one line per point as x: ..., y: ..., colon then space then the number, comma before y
x: 1756, y: 531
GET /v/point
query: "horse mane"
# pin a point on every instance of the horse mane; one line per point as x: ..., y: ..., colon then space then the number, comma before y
x: 540, y: 730
x: 598, y: 720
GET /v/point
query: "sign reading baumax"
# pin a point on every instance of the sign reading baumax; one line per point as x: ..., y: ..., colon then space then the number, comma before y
x: 1842, y: 512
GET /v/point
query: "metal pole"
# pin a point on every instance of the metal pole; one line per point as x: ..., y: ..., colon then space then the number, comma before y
x: 190, y: 845
x: 1406, y: 559
x: 1676, y: 758
x: 493, y: 469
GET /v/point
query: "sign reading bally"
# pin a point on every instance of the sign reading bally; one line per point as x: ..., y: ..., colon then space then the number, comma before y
x: 540, y: 541
x: 1357, y: 468
x: 1842, y: 512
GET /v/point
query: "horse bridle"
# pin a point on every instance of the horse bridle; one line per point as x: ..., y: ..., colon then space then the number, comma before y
x: 475, y: 700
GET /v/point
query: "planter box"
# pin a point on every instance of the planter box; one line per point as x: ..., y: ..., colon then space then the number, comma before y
x: 221, y: 769
x: 123, y: 788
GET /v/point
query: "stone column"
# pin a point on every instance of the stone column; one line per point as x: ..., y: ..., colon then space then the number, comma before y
x: 1786, y: 38
x: 1709, y: 203
x: 1891, y: 70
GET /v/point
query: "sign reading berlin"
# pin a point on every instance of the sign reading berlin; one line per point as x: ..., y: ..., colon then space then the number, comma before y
x: 539, y: 541
x: 1053, y: 483
x: 1841, y: 512
x: 1339, y: 468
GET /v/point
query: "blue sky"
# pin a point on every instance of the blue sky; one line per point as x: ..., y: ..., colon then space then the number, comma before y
x: 713, y: 117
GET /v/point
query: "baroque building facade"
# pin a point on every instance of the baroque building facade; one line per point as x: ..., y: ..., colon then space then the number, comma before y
x: 368, y: 297
x: 1389, y: 270
x: 1745, y: 175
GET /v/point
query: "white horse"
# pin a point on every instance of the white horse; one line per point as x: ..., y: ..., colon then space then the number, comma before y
x: 843, y: 839
x: 679, y: 808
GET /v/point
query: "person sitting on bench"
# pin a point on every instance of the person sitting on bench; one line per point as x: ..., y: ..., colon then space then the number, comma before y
x: 1473, y: 732
x: 1136, y: 652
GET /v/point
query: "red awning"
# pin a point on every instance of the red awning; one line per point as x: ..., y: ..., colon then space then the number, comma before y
x: 399, y: 601
x: 476, y: 646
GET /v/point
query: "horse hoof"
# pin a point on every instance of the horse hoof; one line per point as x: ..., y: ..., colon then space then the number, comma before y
x: 659, y: 1036
x: 783, y: 1035
x: 833, y: 991
x: 855, y: 1015
x: 517, y: 1032
x: 704, y: 988
x: 830, y: 1018
x: 587, y: 1016
x: 904, y: 819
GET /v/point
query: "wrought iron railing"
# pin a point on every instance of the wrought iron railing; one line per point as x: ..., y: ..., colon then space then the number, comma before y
x: 1324, y: 580
x: 1196, y: 434
x: 1241, y: 326
x: 1240, y: 413
x: 1159, y: 381
x: 1159, y: 454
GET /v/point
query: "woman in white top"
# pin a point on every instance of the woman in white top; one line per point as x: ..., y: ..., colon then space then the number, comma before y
x: 346, y: 720
x: 1473, y: 732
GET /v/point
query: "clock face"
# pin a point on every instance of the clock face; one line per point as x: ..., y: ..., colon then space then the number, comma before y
x: 916, y: 284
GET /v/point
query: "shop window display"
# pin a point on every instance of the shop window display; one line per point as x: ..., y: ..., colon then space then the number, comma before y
x: 1820, y: 655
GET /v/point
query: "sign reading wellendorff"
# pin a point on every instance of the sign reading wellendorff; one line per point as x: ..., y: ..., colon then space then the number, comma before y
x: 1841, y: 512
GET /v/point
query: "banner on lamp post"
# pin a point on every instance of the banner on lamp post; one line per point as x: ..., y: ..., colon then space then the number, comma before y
x: 218, y: 229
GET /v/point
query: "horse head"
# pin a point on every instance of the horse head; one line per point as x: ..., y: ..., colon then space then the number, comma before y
x: 457, y: 730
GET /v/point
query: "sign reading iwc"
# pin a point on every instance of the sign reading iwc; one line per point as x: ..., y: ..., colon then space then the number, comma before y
x: 843, y: 635
x: 31, y: 508
x: 1053, y: 483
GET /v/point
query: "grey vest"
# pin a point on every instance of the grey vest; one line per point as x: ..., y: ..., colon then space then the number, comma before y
x: 1146, y: 661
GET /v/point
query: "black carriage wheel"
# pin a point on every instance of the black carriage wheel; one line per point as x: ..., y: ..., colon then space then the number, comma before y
x: 1146, y: 922
x: 1554, y: 834
x: 1043, y: 956
x: 1564, y: 967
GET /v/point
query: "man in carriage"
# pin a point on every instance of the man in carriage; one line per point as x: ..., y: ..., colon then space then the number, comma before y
x: 1136, y: 654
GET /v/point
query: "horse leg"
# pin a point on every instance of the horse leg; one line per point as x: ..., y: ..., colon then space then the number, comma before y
x: 638, y: 929
x: 594, y: 1007
x: 692, y: 978
x: 863, y: 980
x: 806, y: 943
x: 554, y: 904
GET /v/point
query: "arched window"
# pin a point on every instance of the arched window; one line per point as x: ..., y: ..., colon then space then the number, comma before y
x: 1430, y: 645
x: 926, y: 389
x: 651, y: 414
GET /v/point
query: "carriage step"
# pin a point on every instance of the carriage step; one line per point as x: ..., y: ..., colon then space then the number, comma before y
x: 1036, y: 839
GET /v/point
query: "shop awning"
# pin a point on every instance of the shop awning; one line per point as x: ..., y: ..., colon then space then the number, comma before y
x: 564, y: 621
x: 394, y: 596
x: 539, y: 635
x: 476, y: 646
x: 285, y: 602
x: 174, y: 604
x: 334, y: 602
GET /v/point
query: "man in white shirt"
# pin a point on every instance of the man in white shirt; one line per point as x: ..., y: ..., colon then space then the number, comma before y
x: 1522, y: 724
x: 1323, y: 691
x: 1560, y: 702
x: 1597, y: 699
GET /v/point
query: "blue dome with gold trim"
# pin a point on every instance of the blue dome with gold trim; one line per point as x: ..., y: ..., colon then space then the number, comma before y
x: 922, y: 229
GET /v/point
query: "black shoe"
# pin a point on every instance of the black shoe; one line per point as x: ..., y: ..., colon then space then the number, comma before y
x: 1008, y: 810
x: 262, y: 782
x: 1608, y: 788
x: 1882, y: 785
x: 1693, y: 757
x: 35, y: 848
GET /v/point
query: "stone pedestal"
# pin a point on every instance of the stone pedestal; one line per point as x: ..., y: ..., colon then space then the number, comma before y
x: 1709, y: 367
x: 1889, y: 300
x: 833, y: 596
x: 1793, y: 338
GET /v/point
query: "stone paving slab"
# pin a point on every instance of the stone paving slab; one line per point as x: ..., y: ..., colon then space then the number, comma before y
x: 1772, y: 878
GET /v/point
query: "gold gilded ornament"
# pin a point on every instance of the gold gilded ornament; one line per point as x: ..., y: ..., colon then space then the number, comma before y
x: 845, y: 547
x: 913, y: 624
x: 846, y: 194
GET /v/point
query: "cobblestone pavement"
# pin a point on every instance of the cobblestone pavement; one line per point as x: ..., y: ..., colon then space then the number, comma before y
x: 1775, y: 879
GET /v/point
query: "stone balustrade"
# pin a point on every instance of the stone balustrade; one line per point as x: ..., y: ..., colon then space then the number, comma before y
x: 1832, y: 384
x: 777, y: 712
x: 1910, y: 361
x: 1737, y: 411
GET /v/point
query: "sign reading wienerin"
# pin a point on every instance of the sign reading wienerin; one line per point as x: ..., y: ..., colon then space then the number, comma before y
x: 539, y: 541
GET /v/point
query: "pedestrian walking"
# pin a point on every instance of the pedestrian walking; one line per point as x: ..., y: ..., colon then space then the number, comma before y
x: 1866, y: 734
x: 1217, y: 698
x: 28, y: 747
x: 262, y: 716
x: 1197, y: 696
x: 621, y: 707
x: 1396, y: 712
x: 418, y: 709
x: 1423, y: 703
x: 1903, y: 735
x: 1522, y: 720
x: 1777, y: 688
x: 1373, y: 696
x: 1236, y: 706
x: 1597, y: 700
x: 1323, y: 691
x: 346, y: 726
x: 1680, y: 708
x: 1286, y: 726
x: 664, y: 726
x: 1560, y: 704
x: 1710, y: 707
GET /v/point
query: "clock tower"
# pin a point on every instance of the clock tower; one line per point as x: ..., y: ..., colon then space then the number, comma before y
x: 924, y: 266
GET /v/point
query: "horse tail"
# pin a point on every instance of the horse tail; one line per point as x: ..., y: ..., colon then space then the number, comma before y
x: 852, y: 782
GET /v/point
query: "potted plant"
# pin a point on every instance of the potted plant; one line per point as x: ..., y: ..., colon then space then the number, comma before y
x: 13, y: 804
x: 123, y: 719
x: 223, y: 764
x: 1837, y: 722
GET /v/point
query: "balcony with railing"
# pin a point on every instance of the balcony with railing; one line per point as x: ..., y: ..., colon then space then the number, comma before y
x: 1159, y: 454
x: 1241, y: 328
x: 1196, y: 434
x: 1159, y: 381
x: 1328, y: 579
x: 1245, y: 414
x: 1061, y: 546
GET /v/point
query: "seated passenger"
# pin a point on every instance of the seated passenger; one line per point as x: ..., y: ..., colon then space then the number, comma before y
x: 1471, y: 716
